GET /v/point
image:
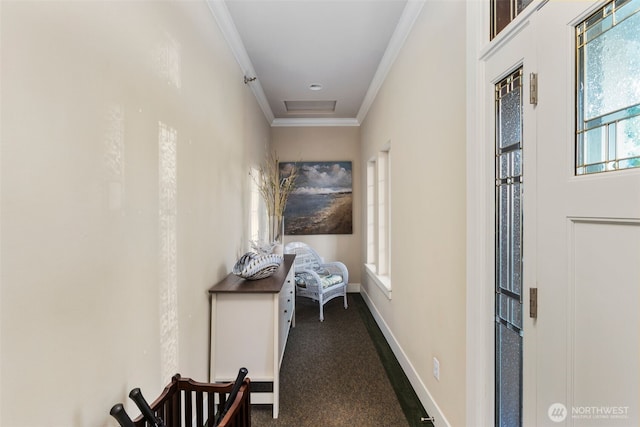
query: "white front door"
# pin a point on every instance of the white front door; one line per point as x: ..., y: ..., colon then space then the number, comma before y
x: 587, y: 252
x: 580, y: 241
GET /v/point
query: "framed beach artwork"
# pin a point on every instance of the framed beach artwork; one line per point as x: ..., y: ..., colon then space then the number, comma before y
x: 322, y: 200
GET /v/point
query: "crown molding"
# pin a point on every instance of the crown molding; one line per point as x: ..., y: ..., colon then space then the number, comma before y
x: 405, y: 23
x: 230, y: 32
x: 225, y: 22
x: 307, y: 122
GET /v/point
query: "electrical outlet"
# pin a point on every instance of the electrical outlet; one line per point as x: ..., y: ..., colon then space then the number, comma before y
x: 436, y: 368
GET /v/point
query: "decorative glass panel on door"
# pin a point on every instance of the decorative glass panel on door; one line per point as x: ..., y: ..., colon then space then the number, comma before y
x: 508, y: 287
x: 608, y: 89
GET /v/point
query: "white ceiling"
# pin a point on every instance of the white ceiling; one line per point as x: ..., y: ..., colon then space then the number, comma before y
x: 346, y: 46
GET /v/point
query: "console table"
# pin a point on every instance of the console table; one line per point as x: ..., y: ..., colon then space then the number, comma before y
x: 250, y: 321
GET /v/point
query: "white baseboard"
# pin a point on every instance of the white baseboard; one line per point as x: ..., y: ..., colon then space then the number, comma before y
x: 353, y: 288
x: 421, y: 390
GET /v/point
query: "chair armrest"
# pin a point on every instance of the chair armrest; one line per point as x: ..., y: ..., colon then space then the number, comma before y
x: 336, y: 267
x: 312, y: 282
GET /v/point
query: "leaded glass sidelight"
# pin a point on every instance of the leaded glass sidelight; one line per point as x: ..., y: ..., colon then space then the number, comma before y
x: 608, y: 89
x: 508, y: 272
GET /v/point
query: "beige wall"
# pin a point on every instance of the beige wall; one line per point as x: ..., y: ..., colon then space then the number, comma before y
x: 327, y: 144
x: 109, y: 243
x: 420, y: 110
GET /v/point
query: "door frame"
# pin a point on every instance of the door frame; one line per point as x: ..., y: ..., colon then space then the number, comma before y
x: 480, y: 217
x: 480, y: 360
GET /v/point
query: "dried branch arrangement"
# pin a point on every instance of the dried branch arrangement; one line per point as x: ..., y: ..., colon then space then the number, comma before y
x: 275, y: 189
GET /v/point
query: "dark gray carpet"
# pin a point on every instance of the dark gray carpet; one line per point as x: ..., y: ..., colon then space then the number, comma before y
x: 331, y: 374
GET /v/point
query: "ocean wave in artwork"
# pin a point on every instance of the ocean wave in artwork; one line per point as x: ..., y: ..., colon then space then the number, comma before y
x: 325, y: 213
x: 321, y: 190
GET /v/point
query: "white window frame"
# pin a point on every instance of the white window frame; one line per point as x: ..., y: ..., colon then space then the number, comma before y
x: 378, y: 261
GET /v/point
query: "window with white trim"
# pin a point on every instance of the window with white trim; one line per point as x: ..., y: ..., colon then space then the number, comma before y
x: 378, y: 207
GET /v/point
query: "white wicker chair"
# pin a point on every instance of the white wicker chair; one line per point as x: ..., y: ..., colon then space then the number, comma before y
x: 321, y: 281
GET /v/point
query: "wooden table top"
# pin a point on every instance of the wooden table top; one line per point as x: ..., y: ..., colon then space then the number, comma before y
x: 271, y: 284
